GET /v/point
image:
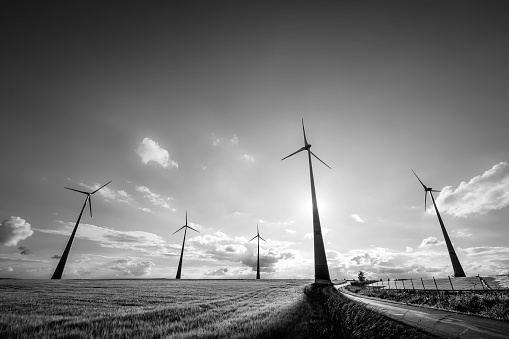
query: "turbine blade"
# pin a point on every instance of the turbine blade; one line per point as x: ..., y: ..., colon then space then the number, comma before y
x: 90, y: 205
x: 425, y: 196
x: 300, y: 150
x: 425, y: 188
x: 101, y: 187
x: 186, y: 218
x: 434, y: 191
x: 320, y: 159
x: 304, y: 132
x: 253, y: 238
x: 193, y: 229
x: 257, y: 230
x: 72, y: 189
x: 178, y: 230
x: 263, y: 239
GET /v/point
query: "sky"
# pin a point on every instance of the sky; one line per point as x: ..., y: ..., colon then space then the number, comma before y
x: 190, y: 106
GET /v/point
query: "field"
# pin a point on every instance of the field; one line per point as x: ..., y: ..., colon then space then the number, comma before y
x: 487, y: 303
x: 156, y: 309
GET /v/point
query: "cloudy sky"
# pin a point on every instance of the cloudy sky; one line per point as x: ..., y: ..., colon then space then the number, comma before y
x: 191, y: 108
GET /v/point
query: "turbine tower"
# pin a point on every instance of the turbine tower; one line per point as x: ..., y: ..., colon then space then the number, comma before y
x: 458, y: 270
x: 185, y: 227
x: 61, y: 264
x: 258, y: 261
x: 321, y: 269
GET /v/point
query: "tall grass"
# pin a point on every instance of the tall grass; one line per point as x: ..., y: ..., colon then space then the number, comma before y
x: 157, y: 309
x: 349, y: 319
x: 491, y: 304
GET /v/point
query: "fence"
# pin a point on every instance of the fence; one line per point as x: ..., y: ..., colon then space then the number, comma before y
x: 476, y: 283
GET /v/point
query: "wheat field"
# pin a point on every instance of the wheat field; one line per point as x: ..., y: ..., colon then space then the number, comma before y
x: 156, y: 309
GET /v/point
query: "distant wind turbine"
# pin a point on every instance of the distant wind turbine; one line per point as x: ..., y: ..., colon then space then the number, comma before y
x: 258, y: 261
x: 458, y: 270
x: 185, y: 227
x: 321, y: 268
x: 61, y: 264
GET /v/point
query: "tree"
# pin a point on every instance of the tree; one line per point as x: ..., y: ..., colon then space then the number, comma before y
x: 361, y: 276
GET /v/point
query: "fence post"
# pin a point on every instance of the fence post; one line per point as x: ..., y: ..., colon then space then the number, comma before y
x: 435, y: 283
x: 395, y: 285
x: 389, y: 283
x: 424, y: 287
x: 404, y: 289
x: 482, y: 284
x: 451, y: 282
x: 412, y: 284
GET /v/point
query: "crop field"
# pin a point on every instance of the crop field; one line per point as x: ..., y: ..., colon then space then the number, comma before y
x: 155, y: 309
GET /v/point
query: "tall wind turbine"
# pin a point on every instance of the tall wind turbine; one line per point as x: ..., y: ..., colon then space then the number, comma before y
x: 458, y: 270
x: 258, y: 261
x: 185, y: 227
x: 321, y: 269
x: 61, y: 264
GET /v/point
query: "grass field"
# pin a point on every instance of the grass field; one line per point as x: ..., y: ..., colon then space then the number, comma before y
x: 157, y: 309
x: 490, y: 304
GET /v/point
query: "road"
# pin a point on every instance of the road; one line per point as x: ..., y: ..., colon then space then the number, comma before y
x: 440, y: 323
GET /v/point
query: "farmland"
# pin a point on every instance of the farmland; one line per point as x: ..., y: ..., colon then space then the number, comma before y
x: 156, y: 309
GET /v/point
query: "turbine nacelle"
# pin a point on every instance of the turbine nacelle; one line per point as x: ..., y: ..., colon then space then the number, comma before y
x: 426, y: 189
x: 307, y: 147
x: 89, y: 195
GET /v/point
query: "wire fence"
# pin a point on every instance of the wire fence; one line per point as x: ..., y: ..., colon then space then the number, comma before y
x: 476, y: 283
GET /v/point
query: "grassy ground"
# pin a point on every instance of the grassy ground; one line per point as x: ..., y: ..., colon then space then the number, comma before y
x: 158, y: 309
x: 348, y: 319
x: 494, y: 305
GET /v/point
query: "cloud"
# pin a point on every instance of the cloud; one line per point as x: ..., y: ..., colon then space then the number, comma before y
x: 248, y: 158
x: 24, y: 250
x: 357, y: 218
x: 10, y: 269
x: 150, y: 151
x: 290, y: 231
x: 146, y: 242
x: 56, y: 256
x: 220, y: 272
x: 109, y: 193
x: 431, y: 241
x: 483, y: 193
x: 234, y: 140
x: 13, y: 230
x: 220, y: 247
x: 325, y: 230
x: 129, y: 267
x: 155, y: 199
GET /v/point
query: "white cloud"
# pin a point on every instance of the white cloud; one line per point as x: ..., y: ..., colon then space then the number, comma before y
x: 325, y: 230
x: 144, y: 209
x: 248, y: 158
x: 155, y: 199
x: 109, y: 193
x: 234, y: 140
x: 483, y: 193
x: 10, y: 269
x: 408, y: 249
x: 357, y: 218
x: 13, y: 230
x: 431, y: 241
x: 290, y: 231
x: 149, y: 150
x: 129, y: 267
x: 146, y: 242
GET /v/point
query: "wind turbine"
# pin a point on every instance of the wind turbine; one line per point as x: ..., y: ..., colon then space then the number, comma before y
x: 185, y: 227
x: 321, y: 268
x: 61, y: 264
x: 258, y: 261
x: 458, y: 270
